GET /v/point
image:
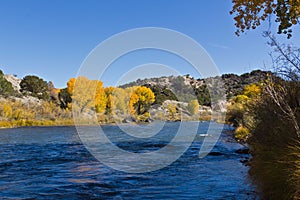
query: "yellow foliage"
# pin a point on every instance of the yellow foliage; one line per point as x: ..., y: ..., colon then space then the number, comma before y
x: 144, y: 117
x: 111, y: 101
x: 4, y: 124
x: 120, y: 96
x: 252, y: 90
x: 133, y: 101
x: 241, y: 133
x: 109, y: 90
x: 70, y: 85
x: 7, y: 111
x: 110, y: 107
x: 193, y: 107
x: 242, y: 99
x: 238, y: 111
x: 141, y: 100
x: 44, y: 113
x: 249, y: 14
x: 89, y: 94
x: 100, y: 98
x: 18, y: 114
x: 172, y: 110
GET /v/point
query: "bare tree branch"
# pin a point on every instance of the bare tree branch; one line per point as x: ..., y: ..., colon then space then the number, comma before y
x: 285, y: 58
x: 286, y: 64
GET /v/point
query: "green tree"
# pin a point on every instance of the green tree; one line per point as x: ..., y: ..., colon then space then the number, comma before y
x: 64, y: 98
x: 6, y: 88
x: 203, y: 95
x: 183, y: 92
x: 34, y: 86
x: 161, y: 93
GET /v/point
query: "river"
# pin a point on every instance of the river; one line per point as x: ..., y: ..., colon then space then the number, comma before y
x: 52, y: 163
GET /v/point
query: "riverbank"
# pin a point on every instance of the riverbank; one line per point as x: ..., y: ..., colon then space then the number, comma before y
x: 70, y: 122
x: 24, y: 123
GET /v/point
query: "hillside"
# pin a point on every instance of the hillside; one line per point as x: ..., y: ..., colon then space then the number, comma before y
x: 32, y: 100
x: 185, y: 87
x: 14, y: 80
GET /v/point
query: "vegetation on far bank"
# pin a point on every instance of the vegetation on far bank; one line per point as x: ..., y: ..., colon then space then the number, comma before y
x: 34, y: 101
x: 38, y: 102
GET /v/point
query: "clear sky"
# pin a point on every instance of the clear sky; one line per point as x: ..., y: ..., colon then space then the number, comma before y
x: 52, y: 38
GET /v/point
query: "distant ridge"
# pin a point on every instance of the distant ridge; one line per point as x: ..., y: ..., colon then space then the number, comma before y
x: 233, y: 84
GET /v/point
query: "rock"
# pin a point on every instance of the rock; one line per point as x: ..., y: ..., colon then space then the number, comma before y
x: 128, y: 120
x: 15, y: 81
x: 243, y: 151
x: 246, y: 162
x: 215, y: 154
x: 148, y: 120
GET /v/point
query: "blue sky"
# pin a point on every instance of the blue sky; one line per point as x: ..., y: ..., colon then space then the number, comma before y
x: 52, y: 38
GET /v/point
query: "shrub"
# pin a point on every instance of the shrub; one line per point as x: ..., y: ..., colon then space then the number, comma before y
x: 7, y: 111
x: 4, y: 124
x: 172, y: 110
x: 275, y: 149
x: 144, y: 117
x: 6, y: 88
x: 241, y: 133
x: 193, y: 107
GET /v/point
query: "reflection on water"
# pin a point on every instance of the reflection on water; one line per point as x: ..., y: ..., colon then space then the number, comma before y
x: 51, y: 163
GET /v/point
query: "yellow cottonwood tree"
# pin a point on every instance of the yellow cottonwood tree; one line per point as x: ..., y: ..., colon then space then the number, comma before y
x: 89, y: 94
x: 141, y: 100
x: 119, y: 97
x: 70, y: 85
x: 110, y: 104
x: 193, y: 107
x: 172, y: 109
x: 100, y: 99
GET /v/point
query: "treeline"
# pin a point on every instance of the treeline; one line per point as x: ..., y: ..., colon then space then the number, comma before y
x: 116, y: 104
x: 130, y: 102
x: 34, y: 104
x: 38, y: 102
x: 110, y: 103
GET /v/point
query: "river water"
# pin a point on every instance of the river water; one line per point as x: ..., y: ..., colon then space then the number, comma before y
x: 52, y: 163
